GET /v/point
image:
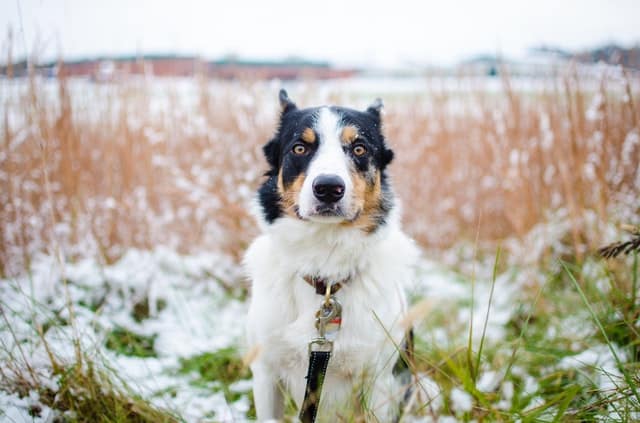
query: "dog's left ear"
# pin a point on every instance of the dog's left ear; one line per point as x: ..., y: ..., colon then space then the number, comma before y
x: 375, y: 109
x: 271, y: 152
x: 387, y: 156
x: 286, y: 105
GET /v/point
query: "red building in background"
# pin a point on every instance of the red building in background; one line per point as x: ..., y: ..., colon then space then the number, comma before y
x: 115, y: 68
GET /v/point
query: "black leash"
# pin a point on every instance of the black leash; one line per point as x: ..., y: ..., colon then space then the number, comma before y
x: 328, y: 321
x: 318, y: 361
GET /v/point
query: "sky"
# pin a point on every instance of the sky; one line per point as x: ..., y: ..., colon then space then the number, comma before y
x: 382, y: 33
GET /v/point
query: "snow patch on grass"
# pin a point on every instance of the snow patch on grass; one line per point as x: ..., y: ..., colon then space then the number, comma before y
x: 188, y: 304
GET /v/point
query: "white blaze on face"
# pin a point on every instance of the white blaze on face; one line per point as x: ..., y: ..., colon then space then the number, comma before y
x: 330, y: 159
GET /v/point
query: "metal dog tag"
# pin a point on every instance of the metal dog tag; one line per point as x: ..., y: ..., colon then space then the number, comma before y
x: 329, y: 318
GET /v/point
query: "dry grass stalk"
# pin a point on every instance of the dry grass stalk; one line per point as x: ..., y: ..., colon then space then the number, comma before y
x: 141, y: 163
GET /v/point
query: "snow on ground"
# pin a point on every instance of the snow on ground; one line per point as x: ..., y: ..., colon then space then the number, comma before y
x: 193, y: 304
x: 469, y: 298
x: 18, y: 409
x: 190, y: 312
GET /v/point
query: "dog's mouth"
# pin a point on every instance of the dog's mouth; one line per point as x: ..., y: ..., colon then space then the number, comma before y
x: 328, y: 210
x: 328, y: 213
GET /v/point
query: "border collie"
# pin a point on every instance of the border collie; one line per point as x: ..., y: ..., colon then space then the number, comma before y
x: 327, y: 212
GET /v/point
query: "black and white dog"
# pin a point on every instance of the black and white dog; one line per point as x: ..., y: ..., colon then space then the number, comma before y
x: 327, y: 212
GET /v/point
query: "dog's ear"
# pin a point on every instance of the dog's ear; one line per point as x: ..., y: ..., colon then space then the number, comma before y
x: 375, y: 109
x: 387, y: 156
x: 272, y: 154
x: 272, y: 148
x: 286, y: 105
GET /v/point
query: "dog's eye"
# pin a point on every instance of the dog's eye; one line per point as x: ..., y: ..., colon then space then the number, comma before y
x: 299, y: 149
x: 359, y: 150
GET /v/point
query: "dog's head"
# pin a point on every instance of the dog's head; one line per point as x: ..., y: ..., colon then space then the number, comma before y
x: 327, y: 164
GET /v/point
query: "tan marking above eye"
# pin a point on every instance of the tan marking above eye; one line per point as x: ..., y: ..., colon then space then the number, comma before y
x: 359, y: 150
x: 308, y: 135
x: 349, y: 134
x: 299, y: 149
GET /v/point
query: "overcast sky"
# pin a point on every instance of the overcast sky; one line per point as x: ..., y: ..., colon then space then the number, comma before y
x: 392, y: 32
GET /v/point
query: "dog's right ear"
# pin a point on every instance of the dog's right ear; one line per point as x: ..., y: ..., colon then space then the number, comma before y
x: 272, y: 154
x: 272, y: 148
x: 375, y: 109
x: 286, y: 105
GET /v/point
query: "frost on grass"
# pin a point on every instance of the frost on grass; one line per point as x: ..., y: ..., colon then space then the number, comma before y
x: 139, y: 318
x: 19, y: 409
x: 600, y: 361
x: 169, y: 326
x: 461, y: 401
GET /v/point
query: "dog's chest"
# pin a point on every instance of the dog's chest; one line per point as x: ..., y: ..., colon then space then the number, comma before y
x: 369, y: 327
x: 283, y: 307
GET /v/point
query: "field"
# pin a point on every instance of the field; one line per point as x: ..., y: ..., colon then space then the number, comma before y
x: 125, y: 213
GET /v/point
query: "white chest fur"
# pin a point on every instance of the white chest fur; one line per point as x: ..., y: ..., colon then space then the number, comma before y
x: 282, y: 311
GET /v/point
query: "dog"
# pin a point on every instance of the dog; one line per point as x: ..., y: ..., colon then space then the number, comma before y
x: 327, y: 213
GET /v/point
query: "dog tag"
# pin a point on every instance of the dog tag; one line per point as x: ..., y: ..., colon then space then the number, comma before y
x: 333, y: 326
x: 329, y: 318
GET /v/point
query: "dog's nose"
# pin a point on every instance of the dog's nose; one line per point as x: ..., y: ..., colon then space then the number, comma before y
x: 328, y: 188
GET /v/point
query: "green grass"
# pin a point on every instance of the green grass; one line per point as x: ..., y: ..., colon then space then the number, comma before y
x: 596, y: 297
x: 573, y: 307
x: 217, y: 371
x: 91, y: 397
x: 626, y: 328
x: 88, y: 394
x: 125, y: 342
x: 142, y: 310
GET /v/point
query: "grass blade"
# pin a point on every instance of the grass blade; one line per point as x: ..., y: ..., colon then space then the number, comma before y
x: 486, y: 318
x: 595, y: 318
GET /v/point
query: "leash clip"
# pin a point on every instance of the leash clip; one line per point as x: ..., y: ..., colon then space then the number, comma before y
x: 320, y: 344
x: 329, y: 317
x: 328, y: 321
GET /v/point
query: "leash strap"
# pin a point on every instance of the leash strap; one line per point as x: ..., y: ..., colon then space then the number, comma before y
x: 328, y: 321
x: 318, y: 361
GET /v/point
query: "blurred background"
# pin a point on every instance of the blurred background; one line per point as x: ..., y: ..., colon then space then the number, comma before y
x: 153, y: 114
x: 130, y: 151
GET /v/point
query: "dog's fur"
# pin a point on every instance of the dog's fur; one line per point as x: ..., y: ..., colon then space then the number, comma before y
x: 357, y: 237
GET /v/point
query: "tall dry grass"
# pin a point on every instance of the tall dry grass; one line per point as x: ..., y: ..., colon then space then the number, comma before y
x: 501, y: 161
x: 99, y: 168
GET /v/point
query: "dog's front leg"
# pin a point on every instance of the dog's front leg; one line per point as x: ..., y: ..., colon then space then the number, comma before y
x: 267, y: 394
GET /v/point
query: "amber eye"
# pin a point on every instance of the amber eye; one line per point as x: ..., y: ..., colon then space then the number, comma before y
x: 299, y: 149
x: 359, y: 149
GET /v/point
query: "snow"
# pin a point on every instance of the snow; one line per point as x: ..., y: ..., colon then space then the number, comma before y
x: 429, y: 392
x: 601, y: 358
x: 196, y: 302
x: 489, y: 381
x: 200, y: 315
x: 28, y: 409
x: 446, y: 288
x: 461, y: 401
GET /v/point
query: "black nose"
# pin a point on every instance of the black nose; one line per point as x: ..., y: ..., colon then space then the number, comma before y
x: 328, y: 188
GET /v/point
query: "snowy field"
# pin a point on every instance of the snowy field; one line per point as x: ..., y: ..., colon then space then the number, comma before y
x: 521, y: 323
x: 182, y: 307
